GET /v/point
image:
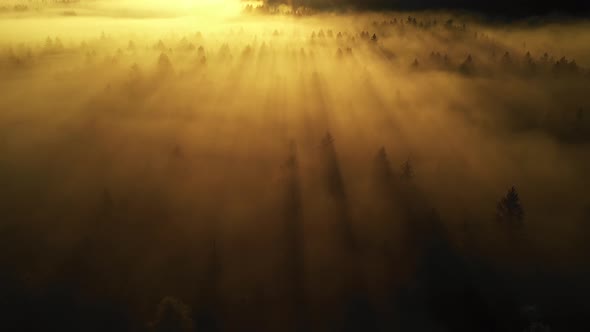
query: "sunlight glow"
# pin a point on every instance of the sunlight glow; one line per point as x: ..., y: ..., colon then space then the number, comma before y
x: 195, y: 7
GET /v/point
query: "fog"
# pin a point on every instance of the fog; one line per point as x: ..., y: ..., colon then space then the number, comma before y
x: 211, y: 168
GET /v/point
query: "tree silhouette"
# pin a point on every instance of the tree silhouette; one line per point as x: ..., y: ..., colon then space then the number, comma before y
x: 332, y: 171
x: 164, y: 64
x: 506, y: 60
x: 467, y: 65
x: 383, y: 166
x: 172, y: 316
x: 328, y: 140
x: 407, y: 170
x: 509, y: 209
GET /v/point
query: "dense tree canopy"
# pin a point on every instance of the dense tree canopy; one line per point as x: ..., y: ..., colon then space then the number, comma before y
x: 503, y: 7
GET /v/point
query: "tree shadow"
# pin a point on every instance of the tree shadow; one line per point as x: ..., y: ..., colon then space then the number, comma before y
x: 293, y: 236
x: 334, y: 184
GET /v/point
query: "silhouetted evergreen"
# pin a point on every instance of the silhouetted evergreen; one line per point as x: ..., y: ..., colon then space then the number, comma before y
x: 509, y: 209
x: 172, y: 316
x: 407, y: 170
x: 332, y: 173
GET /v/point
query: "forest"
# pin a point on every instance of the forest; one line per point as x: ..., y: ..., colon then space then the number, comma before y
x: 239, y: 166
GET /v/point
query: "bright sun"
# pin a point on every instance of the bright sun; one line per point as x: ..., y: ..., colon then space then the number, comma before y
x: 222, y: 5
x: 210, y: 8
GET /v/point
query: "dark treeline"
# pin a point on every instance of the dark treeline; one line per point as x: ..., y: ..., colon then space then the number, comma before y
x: 504, y: 8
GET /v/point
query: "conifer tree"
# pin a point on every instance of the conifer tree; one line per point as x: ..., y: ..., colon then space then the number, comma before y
x: 509, y: 209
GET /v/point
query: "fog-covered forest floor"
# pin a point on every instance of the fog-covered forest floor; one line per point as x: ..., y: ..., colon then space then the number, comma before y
x: 238, y: 171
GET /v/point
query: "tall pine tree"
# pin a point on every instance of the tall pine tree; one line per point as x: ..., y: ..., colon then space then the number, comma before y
x: 509, y: 209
